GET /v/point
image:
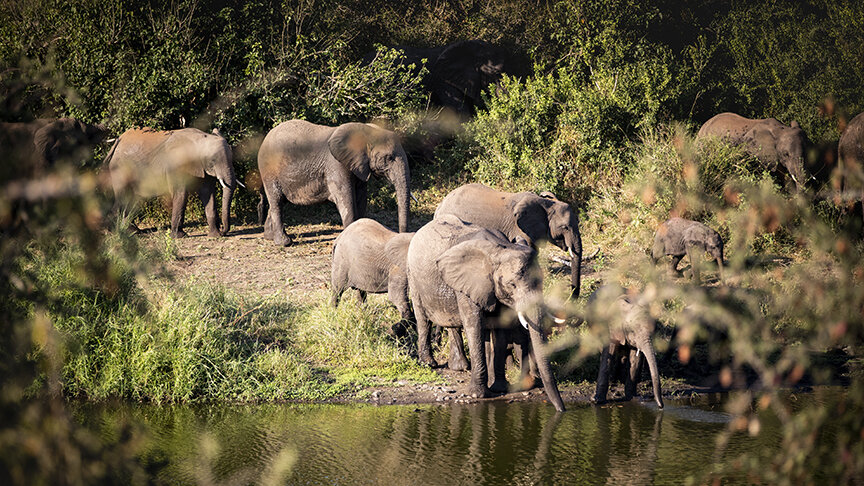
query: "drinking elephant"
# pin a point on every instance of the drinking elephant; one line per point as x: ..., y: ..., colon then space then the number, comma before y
x: 678, y: 237
x: 770, y: 141
x: 144, y: 162
x: 36, y: 146
x: 631, y: 330
x: 307, y: 164
x: 370, y: 257
x: 850, y: 152
x: 459, y: 273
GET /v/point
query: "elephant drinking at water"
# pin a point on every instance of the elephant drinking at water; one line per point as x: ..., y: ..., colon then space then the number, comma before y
x: 307, y: 164
x: 458, y: 274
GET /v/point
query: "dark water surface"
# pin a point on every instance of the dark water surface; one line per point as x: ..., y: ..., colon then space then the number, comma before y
x: 488, y: 443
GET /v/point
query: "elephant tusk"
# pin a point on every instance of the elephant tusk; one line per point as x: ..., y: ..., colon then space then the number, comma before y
x: 414, y: 198
x: 111, y: 140
x: 222, y: 182
x: 558, y: 320
x: 522, y: 320
x: 241, y: 184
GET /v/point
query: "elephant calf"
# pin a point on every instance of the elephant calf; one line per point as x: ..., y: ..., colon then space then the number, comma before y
x: 631, y: 330
x: 370, y: 257
x: 677, y: 237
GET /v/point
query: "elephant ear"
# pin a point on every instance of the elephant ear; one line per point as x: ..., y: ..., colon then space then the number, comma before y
x: 547, y: 195
x: 467, y: 268
x: 397, y: 249
x: 761, y: 143
x: 177, y: 153
x: 531, y: 217
x: 348, y: 144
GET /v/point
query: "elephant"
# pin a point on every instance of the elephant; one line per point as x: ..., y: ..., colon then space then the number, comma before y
x: 307, y: 163
x: 147, y: 163
x: 509, y: 340
x: 850, y: 152
x: 40, y: 144
x: 677, y: 237
x: 523, y: 217
x: 459, y: 72
x: 458, y: 273
x: 370, y: 257
x: 770, y: 141
x: 631, y: 329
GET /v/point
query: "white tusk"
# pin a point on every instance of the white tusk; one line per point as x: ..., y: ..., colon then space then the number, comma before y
x: 241, y: 184
x: 414, y: 198
x: 523, y: 320
x: 570, y: 251
x: 558, y: 320
x: 111, y: 140
x: 222, y: 182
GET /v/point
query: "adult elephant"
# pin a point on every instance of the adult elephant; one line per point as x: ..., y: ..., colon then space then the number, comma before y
x: 850, y: 170
x: 458, y: 274
x: 38, y: 145
x: 146, y: 163
x: 307, y: 164
x: 521, y: 216
x: 770, y: 141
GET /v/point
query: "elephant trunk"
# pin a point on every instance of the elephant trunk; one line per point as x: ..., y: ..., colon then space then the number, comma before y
x: 648, y: 350
x: 574, y: 247
x: 538, y: 344
x: 720, y: 267
x: 401, y: 179
x: 228, y: 180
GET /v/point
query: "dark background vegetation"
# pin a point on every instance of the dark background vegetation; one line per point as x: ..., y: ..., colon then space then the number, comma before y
x: 604, y: 119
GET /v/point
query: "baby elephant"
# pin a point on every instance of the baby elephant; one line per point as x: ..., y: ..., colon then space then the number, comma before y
x: 631, y: 330
x: 677, y: 237
x: 370, y: 257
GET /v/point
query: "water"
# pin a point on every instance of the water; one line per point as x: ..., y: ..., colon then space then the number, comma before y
x: 488, y: 443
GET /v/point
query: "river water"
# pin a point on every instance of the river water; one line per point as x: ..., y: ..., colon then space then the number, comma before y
x: 486, y: 443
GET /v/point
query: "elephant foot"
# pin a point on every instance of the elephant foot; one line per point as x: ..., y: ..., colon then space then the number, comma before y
x: 480, y: 392
x: 283, y: 241
x: 458, y: 364
x: 429, y: 361
x: 597, y: 400
x: 215, y: 233
x: 499, y: 386
x: 179, y: 234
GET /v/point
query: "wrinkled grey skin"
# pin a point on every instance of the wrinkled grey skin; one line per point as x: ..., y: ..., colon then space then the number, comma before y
x: 307, y: 164
x: 501, y: 343
x: 678, y: 237
x: 458, y: 273
x: 459, y: 72
x: 523, y: 217
x: 40, y: 144
x: 370, y: 257
x: 147, y: 163
x: 770, y: 141
x: 631, y: 330
x: 850, y: 152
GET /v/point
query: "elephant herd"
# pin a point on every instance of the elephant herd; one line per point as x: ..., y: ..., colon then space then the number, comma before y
x: 472, y: 269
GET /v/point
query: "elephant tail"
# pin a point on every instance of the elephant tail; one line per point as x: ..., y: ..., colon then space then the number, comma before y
x: 262, y: 209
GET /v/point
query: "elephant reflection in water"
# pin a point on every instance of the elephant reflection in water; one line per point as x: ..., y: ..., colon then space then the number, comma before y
x: 624, y: 453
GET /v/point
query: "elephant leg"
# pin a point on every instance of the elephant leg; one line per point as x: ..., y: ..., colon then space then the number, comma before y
x: 207, y: 194
x: 472, y: 322
x: 603, y: 375
x: 633, y: 374
x: 273, y: 225
x: 695, y: 263
x: 497, y: 359
x: 360, y: 198
x: 343, y: 196
x: 178, y: 212
x: 424, y: 348
x: 397, y: 292
x: 456, y: 361
x: 673, y: 266
x: 361, y: 296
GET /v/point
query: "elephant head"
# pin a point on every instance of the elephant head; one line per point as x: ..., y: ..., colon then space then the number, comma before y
x: 544, y: 217
x: 198, y: 154
x: 365, y: 149
x: 489, y: 270
x: 778, y: 144
x: 700, y: 236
